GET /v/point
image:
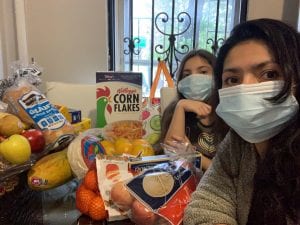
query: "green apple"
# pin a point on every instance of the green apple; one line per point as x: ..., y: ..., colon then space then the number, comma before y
x: 15, y: 149
x: 153, y: 138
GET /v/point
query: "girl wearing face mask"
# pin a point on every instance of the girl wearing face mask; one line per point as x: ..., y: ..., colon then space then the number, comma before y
x: 190, y: 117
x: 255, y: 176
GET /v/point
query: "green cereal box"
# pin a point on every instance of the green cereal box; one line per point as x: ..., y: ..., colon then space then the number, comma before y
x: 119, y: 104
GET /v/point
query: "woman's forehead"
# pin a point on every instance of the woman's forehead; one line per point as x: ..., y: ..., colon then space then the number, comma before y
x: 247, y: 53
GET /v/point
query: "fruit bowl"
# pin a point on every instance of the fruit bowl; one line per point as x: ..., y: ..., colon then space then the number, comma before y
x: 8, y: 170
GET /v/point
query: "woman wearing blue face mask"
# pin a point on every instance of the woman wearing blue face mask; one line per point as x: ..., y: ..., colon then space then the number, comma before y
x: 190, y: 118
x: 255, y: 176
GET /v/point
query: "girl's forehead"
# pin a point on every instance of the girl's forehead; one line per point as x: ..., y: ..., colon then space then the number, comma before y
x: 196, y: 61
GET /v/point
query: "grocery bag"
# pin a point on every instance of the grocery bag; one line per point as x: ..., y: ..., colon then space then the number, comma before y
x: 151, y: 110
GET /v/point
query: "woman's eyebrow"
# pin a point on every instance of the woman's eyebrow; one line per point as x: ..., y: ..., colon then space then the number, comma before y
x: 262, y: 65
x: 232, y: 70
x: 253, y: 67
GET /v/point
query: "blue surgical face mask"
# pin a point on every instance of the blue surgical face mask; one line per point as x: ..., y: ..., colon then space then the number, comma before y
x: 196, y: 87
x: 245, y: 109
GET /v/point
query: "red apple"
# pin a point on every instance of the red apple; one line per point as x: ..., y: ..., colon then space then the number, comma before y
x: 36, y: 139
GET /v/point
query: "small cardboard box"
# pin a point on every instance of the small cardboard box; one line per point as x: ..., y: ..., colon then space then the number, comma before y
x: 119, y: 101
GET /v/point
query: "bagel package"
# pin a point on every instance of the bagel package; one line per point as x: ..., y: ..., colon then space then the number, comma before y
x: 160, y: 194
x: 151, y: 190
x: 33, y: 108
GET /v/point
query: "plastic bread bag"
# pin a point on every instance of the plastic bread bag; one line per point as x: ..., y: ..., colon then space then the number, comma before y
x: 32, y: 107
x: 31, y: 72
x: 3, y: 107
x: 83, y: 149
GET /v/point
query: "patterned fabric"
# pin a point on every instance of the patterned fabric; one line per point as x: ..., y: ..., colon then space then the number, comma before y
x: 206, y: 141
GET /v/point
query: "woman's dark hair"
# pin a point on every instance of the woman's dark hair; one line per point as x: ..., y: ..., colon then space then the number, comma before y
x: 276, y: 193
x: 190, y: 117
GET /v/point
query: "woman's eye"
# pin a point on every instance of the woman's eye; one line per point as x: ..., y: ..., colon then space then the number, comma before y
x: 230, y: 81
x: 270, y: 75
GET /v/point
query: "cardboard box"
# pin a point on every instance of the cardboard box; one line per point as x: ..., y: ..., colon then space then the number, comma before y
x: 85, y: 124
x: 119, y: 101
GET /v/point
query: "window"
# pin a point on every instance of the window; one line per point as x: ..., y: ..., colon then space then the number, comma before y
x: 143, y: 31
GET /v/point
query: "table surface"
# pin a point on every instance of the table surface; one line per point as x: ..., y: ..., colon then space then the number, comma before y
x: 23, y: 206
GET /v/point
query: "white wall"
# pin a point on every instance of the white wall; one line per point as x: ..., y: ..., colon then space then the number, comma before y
x: 68, y: 38
x: 8, y: 45
x: 285, y: 10
x: 265, y: 8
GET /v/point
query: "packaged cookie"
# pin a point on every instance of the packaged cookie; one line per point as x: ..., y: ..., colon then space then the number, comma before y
x: 33, y: 108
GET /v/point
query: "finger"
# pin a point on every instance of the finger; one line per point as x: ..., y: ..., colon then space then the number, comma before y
x: 178, y: 138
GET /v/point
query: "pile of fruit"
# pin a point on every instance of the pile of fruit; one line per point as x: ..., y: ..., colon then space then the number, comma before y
x: 88, y: 198
x: 17, y: 144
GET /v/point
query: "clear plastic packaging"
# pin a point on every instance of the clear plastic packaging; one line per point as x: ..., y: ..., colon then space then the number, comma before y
x: 148, y: 191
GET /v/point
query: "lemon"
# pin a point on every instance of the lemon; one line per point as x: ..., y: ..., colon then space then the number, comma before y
x: 108, y: 147
x: 142, y: 146
x: 123, y: 145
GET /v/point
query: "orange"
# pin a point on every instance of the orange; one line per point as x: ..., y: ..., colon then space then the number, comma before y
x: 97, y: 209
x: 123, y: 145
x: 108, y: 147
x: 84, y: 198
x: 90, y: 180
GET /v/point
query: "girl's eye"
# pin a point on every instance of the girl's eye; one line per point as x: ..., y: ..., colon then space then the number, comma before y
x: 203, y: 72
x: 185, y: 74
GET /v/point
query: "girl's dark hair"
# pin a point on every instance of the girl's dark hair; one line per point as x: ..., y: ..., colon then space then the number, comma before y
x: 276, y: 193
x: 191, y: 120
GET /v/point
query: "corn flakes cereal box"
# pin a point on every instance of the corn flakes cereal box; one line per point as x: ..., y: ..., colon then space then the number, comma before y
x: 119, y: 103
